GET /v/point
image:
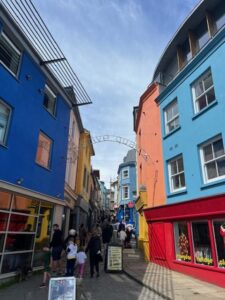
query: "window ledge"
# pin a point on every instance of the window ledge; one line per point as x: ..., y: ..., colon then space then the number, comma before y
x: 212, y: 184
x: 178, y: 193
x: 3, y: 146
x: 53, y: 116
x: 43, y: 167
x: 205, y: 109
x: 171, y: 132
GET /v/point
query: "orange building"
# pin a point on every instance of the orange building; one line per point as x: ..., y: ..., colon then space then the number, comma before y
x: 150, y: 177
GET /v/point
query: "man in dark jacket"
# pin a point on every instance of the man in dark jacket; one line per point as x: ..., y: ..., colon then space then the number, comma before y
x: 107, y: 232
x: 57, y: 246
x: 94, y: 248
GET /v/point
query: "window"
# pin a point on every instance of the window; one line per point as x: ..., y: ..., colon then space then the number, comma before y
x: 125, y: 173
x: 9, y: 54
x: 171, y: 117
x: 182, y: 244
x: 176, y: 174
x: 202, y: 246
x: 125, y: 191
x: 219, y: 15
x: 220, y: 241
x: 202, y: 34
x: 49, y: 100
x: 213, y: 159
x: 203, y: 92
x: 5, y: 113
x: 44, y: 150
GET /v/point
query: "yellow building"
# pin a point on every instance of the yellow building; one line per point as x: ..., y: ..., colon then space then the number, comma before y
x: 83, y: 179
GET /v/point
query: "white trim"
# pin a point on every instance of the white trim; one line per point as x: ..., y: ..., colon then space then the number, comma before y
x: 123, y: 193
x: 174, y: 117
x: 172, y: 190
x: 11, y: 43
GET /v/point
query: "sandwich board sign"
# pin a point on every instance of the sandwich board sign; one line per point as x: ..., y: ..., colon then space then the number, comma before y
x: 62, y: 288
x: 114, y: 259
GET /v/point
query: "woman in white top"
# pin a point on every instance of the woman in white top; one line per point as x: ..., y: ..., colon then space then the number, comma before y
x: 71, y: 251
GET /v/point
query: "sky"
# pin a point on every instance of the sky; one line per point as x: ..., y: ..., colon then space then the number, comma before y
x: 113, y: 47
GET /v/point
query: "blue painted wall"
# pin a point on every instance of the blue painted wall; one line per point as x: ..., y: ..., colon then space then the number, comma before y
x: 29, y: 117
x: 195, y: 129
x: 130, y: 181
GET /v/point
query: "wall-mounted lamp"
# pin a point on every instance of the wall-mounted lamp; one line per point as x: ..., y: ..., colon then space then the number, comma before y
x: 20, y: 180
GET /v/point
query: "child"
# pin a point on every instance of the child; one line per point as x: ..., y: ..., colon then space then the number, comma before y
x: 122, y: 236
x: 71, y: 251
x: 81, y: 257
x: 47, y: 269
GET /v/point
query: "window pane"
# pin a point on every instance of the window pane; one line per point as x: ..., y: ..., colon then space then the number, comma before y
x: 169, y: 114
x: 180, y: 164
x: 211, y: 170
x: 221, y: 167
x: 208, y: 81
x: 43, y: 151
x: 176, y: 182
x: 220, y: 242
x: 19, y: 242
x: 207, y: 151
x: 199, y: 88
x: 211, y: 96
x: 8, y: 54
x: 4, y: 119
x: 218, y: 148
x: 201, y: 102
x: 182, y: 245
x: 25, y: 205
x: 13, y: 262
x: 22, y: 223
x: 2, y: 238
x: 5, y: 199
x: 3, y: 221
x: 182, y: 180
x: 173, y: 165
x: 49, y: 100
x: 202, y: 247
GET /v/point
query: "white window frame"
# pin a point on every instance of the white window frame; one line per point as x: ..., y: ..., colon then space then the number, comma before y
x: 205, y: 92
x: 123, y: 192
x: 54, y: 96
x: 203, y: 163
x: 125, y: 170
x: 174, y: 118
x: 3, y: 142
x: 8, y: 40
x: 170, y: 175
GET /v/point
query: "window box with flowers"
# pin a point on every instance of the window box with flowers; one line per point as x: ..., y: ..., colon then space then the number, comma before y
x: 182, y: 242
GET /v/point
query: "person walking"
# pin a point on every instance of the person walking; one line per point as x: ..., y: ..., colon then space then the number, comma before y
x: 80, y: 262
x: 107, y: 232
x: 47, y: 268
x: 94, y: 249
x: 57, y: 247
x: 71, y: 251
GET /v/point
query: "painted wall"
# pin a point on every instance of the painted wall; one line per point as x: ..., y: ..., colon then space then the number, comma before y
x: 149, y: 141
x: 194, y: 130
x: 130, y: 182
x: 29, y: 116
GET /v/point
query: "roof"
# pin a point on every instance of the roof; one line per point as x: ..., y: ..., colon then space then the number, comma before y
x: 24, y: 16
x: 181, y: 34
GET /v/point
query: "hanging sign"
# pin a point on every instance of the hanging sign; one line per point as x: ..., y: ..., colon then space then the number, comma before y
x: 114, y: 259
x: 62, y: 288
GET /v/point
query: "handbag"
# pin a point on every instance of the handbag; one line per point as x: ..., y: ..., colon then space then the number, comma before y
x: 99, y: 256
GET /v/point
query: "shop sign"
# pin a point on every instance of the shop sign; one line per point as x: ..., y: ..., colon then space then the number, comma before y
x: 62, y: 288
x: 130, y: 204
x: 114, y: 259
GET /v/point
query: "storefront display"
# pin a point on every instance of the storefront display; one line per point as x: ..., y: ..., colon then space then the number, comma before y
x: 182, y: 244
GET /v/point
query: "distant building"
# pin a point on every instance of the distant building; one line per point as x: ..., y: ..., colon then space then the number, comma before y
x: 127, y: 188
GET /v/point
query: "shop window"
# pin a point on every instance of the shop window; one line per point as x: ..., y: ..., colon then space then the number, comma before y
x: 219, y: 233
x: 3, y: 221
x: 25, y: 205
x: 19, y: 242
x: 5, y: 112
x: 2, y: 239
x: 12, y: 262
x: 202, y: 246
x: 22, y: 223
x: 172, y: 116
x: 182, y: 244
x: 5, y: 200
x: 176, y: 174
x: 203, y: 92
x: 44, y: 150
x: 49, y: 100
x: 9, y: 54
x: 213, y: 159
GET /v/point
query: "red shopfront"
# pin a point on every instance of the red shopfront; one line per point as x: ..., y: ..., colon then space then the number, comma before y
x: 187, y: 237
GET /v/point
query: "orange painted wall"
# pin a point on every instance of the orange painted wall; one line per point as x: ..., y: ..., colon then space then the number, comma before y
x: 149, y: 138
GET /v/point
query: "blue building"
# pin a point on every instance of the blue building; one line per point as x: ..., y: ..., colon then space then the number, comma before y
x: 127, y: 188
x: 34, y: 124
x: 192, y: 105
